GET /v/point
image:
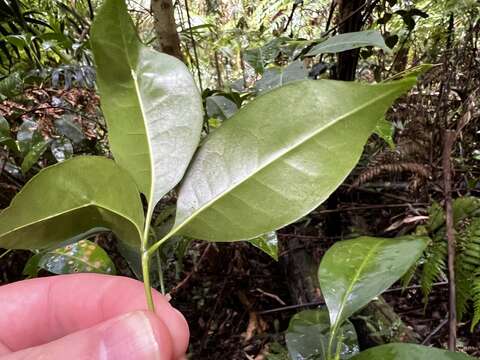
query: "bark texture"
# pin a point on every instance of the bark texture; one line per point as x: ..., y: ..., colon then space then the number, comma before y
x: 166, y: 28
x: 350, y: 19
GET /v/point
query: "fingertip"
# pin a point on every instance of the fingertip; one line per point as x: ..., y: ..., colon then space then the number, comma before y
x: 176, y: 324
x: 139, y: 334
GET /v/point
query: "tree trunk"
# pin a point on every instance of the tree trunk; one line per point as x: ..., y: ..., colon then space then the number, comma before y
x: 166, y: 28
x: 350, y: 19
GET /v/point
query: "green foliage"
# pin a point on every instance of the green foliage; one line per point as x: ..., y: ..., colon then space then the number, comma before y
x: 51, y: 34
x: 150, y: 103
x: 349, y: 41
x: 272, y: 162
x: 384, y: 129
x: 278, y: 76
x: 268, y: 243
x: 352, y: 272
x: 71, y: 200
x: 277, y: 138
x: 82, y: 256
x: 466, y: 213
x: 308, y: 335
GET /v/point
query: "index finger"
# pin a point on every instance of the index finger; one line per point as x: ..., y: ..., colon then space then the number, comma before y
x: 38, y: 311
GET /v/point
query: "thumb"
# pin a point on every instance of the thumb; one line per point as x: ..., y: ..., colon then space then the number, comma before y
x: 138, y: 335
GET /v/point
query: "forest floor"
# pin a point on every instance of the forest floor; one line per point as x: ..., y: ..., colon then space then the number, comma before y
x: 226, y: 288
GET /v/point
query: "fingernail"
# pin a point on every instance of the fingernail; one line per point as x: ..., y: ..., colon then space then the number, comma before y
x: 129, y: 337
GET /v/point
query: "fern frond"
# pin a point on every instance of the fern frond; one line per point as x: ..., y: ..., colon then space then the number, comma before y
x: 434, y: 266
x: 463, y: 286
x: 476, y: 299
x: 468, y: 267
x: 392, y: 169
x: 469, y: 246
x: 465, y: 207
x: 436, y: 217
x: 406, y: 279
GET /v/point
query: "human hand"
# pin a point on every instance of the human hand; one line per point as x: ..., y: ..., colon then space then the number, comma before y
x: 87, y: 317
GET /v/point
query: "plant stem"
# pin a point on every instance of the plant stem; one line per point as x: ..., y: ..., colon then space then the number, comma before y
x: 148, y: 252
x: 333, y: 334
x: 160, y: 273
x: 5, y: 253
x: 447, y: 178
x: 146, y: 281
x: 146, y: 258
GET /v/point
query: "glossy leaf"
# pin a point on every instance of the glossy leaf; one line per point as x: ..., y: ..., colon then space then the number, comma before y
x: 349, y: 41
x: 353, y: 272
x: 308, y: 335
x: 410, y: 352
x: 151, y: 103
x: 279, y: 157
x: 82, y: 256
x: 72, y: 199
x: 268, y: 243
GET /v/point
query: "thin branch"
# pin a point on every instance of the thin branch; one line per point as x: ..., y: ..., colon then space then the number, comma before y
x: 292, y: 307
x: 447, y: 178
x: 320, y: 302
x: 194, y: 45
x: 368, y: 207
x: 191, y: 273
x: 436, y: 330
x: 290, y: 18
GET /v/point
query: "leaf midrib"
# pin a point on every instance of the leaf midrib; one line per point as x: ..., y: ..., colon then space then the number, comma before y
x: 46, y: 218
x: 355, y: 278
x: 133, y: 74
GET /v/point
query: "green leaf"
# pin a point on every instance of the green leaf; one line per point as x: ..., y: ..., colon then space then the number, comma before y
x: 279, y: 157
x: 82, y: 256
x: 220, y: 107
x: 384, y: 129
x: 258, y: 58
x: 36, y: 150
x: 5, y: 136
x: 67, y: 127
x: 151, y: 103
x: 71, y: 199
x: 308, y: 334
x: 353, y: 272
x: 27, y: 135
x: 4, y: 128
x: 410, y: 352
x: 349, y: 41
x: 278, y: 76
x: 268, y: 243
x: 62, y: 149
x: 19, y: 41
x: 31, y: 267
